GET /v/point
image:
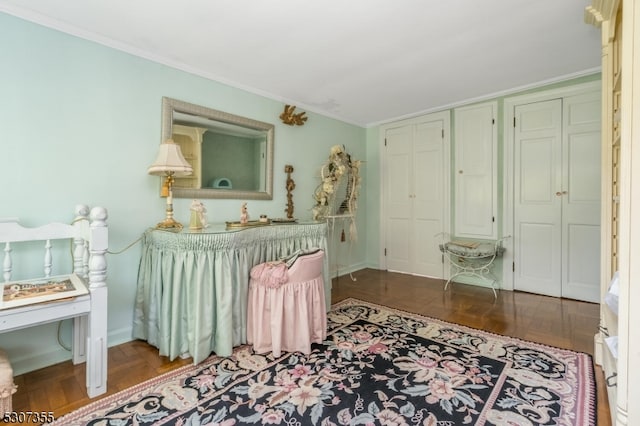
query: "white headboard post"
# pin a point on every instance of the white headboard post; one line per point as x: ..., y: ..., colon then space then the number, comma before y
x: 99, y: 244
x: 97, y: 346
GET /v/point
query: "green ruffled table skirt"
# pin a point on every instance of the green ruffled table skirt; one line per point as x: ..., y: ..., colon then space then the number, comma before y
x: 192, y: 287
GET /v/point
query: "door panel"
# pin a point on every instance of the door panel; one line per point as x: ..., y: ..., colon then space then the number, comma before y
x: 475, y: 171
x: 583, y: 151
x: 537, y: 208
x: 581, y: 203
x: 582, y: 271
x: 428, y: 199
x: 536, y: 264
x: 398, y: 202
x: 475, y: 212
x: 398, y: 247
x: 537, y: 174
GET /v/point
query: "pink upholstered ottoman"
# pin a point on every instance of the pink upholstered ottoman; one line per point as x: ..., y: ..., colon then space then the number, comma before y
x: 7, y: 387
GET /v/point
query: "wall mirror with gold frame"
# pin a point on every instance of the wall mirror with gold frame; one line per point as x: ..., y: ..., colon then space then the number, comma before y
x: 231, y: 156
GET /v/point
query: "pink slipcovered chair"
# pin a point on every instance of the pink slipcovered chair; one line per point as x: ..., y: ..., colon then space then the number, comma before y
x: 286, y: 305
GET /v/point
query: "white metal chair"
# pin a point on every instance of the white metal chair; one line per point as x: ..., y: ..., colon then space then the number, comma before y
x: 473, y: 258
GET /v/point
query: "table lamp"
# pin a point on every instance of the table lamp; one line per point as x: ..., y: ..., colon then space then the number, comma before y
x: 169, y: 163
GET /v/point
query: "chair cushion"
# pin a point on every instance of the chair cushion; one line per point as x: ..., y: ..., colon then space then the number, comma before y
x: 476, y: 250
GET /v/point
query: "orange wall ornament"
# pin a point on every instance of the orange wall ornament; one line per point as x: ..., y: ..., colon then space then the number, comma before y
x: 288, y: 117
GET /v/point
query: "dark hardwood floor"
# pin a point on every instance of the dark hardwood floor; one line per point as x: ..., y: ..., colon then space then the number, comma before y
x: 558, y: 322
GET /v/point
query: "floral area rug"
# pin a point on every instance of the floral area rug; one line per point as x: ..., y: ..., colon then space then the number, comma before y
x: 378, y: 366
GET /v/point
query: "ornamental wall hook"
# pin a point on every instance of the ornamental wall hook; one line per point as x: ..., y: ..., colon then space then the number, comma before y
x: 291, y: 119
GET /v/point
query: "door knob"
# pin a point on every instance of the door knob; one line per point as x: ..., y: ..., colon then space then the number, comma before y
x: 561, y: 193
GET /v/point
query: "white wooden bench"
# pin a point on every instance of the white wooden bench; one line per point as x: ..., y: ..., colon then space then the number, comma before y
x: 87, y: 239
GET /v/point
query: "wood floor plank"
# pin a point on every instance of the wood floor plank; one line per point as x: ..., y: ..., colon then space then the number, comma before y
x: 551, y: 321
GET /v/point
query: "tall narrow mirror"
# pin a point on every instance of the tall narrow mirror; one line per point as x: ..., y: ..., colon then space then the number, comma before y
x: 231, y: 156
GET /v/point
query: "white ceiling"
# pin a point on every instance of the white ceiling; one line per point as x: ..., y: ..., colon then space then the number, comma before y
x: 361, y: 61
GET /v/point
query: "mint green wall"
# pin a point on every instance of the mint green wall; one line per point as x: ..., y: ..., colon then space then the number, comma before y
x: 80, y: 123
x: 374, y: 196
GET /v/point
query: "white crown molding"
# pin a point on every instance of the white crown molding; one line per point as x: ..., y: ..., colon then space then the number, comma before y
x: 494, y: 95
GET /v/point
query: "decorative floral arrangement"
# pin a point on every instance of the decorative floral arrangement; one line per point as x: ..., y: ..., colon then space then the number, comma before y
x: 339, y: 166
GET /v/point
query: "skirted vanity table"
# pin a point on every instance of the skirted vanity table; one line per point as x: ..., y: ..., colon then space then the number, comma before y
x: 192, y: 285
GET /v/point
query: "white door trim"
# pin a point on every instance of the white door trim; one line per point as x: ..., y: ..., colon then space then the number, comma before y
x: 507, y: 181
x: 445, y: 117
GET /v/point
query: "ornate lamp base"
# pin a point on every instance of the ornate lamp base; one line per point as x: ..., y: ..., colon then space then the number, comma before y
x: 169, y: 223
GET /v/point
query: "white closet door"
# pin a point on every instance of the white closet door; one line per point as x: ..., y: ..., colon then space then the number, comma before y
x: 428, y: 199
x: 581, y: 202
x: 476, y: 143
x: 538, y: 197
x: 414, y: 189
x: 398, y: 199
x: 557, y: 197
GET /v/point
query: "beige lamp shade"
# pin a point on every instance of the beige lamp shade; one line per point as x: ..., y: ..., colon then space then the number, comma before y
x: 170, y: 161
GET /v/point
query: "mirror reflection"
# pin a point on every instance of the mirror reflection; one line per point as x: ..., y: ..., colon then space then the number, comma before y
x: 231, y: 156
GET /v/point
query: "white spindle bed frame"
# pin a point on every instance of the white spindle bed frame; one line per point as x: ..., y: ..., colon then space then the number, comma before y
x: 88, y: 234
